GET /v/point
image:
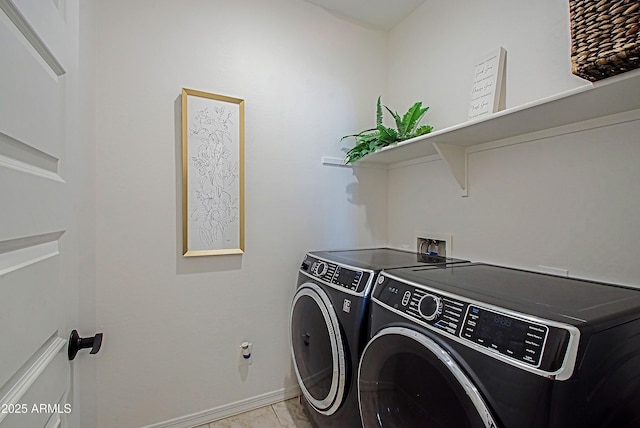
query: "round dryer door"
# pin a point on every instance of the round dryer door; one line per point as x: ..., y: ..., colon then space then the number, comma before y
x: 407, y: 380
x: 317, y: 348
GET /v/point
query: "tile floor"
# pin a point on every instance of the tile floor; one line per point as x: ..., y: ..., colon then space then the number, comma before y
x: 287, y: 414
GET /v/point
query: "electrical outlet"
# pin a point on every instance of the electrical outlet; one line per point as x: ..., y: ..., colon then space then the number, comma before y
x: 245, y: 350
x: 434, y: 243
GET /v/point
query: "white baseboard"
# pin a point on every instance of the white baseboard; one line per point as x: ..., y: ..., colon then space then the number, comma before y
x: 231, y: 409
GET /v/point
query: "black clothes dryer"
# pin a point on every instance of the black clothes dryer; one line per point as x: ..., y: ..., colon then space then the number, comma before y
x: 328, y: 326
x: 475, y: 345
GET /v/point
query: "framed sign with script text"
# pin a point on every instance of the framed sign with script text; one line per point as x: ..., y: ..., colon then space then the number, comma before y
x: 486, y: 90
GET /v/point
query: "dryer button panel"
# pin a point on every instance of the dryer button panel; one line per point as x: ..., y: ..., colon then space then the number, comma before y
x: 513, y: 337
x: 336, y: 275
x: 496, y: 331
x: 323, y: 270
x: 347, y: 278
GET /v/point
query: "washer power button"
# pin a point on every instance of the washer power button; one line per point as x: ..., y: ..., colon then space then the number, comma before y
x: 406, y: 297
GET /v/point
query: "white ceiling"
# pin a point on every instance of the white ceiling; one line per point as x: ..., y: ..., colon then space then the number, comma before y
x: 379, y: 14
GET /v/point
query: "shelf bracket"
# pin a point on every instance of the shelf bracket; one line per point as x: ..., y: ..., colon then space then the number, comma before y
x: 455, y: 157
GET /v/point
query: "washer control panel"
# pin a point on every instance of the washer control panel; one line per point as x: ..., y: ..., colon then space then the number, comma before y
x: 490, y: 328
x: 438, y: 311
x: 339, y: 276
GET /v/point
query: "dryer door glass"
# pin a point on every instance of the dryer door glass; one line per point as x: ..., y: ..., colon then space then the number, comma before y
x: 318, y: 350
x: 407, y: 380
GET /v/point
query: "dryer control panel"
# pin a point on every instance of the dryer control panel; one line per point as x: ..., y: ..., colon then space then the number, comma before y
x: 497, y: 330
x: 513, y: 337
x: 335, y: 274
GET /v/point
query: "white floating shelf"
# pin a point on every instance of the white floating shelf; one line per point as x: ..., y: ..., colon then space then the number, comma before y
x: 607, y: 97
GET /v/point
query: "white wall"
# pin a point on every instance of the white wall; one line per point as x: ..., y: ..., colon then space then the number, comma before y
x: 432, y: 54
x: 569, y: 202
x: 173, y: 325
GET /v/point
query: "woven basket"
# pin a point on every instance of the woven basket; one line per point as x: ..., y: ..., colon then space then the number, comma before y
x: 605, y: 37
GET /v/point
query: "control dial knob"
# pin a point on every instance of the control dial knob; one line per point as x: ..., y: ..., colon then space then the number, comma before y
x: 430, y: 307
x: 321, y: 268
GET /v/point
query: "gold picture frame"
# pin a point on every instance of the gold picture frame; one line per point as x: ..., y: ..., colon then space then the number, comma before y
x: 212, y: 174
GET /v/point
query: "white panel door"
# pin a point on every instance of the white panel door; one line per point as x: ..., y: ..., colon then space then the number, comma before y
x: 38, y: 293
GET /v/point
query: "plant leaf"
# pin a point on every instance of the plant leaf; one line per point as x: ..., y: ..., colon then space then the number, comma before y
x: 424, y: 129
x: 358, y: 134
x: 387, y: 135
x: 412, y: 117
x: 379, y: 112
x: 398, y: 120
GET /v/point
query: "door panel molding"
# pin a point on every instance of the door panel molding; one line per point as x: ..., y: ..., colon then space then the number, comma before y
x: 31, y: 34
x: 12, y: 392
x: 18, y: 155
x: 19, y: 253
x: 34, y: 92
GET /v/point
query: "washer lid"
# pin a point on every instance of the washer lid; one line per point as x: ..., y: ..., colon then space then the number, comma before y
x: 562, y: 299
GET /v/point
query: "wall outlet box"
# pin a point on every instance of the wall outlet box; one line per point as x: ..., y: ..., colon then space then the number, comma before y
x: 434, y: 243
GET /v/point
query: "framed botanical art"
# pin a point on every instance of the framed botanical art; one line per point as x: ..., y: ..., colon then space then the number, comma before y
x: 212, y: 174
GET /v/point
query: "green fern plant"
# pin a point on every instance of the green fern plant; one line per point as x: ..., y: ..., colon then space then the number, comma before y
x: 370, y: 140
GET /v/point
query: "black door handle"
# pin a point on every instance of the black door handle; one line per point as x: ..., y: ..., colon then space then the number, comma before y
x: 77, y: 343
